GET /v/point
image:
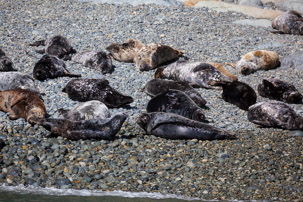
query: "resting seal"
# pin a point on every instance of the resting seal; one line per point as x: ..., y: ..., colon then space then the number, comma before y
x: 158, y: 86
x: 290, y: 22
x: 275, y: 114
x: 50, y: 67
x: 197, y: 74
x: 153, y: 55
x: 173, y: 126
x: 22, y: 103
x: 98, y: 129
x: 96, y: 59
x: 96, y: 89
x: 258, y: 60
x: 93, y: 109
x: 126, y: 51
x: 239, y: 94
x: 177, y: 102
x: 279, y: 90
x: 57, y: 46
x: 6, y: 63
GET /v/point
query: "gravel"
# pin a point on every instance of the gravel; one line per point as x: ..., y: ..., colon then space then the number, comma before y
x: 262, y: 164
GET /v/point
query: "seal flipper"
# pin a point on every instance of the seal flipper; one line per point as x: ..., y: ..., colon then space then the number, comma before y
x: 38, y: 43
x: 277, y: 32
x: 42, y: 51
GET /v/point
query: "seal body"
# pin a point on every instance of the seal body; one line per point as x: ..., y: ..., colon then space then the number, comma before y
x: 50, y: 67
x: 57, y: 46
x: 152, y: 55
x: 98, y: 129
x: 275, y: 114
x: 290, y: 22
x: 126, y: 51
x: 196, y: 74
x: 158, y: 86
x: 17, y: 80
x: 277, y: 89
x: 258, y: 60
x: 239, y: 94
x: 177, y: 102
x: 22, y: 103
x: 93, y: 109
x: 6, y: 63
x: 173, y: 126
x: 96, y: 89
x: 96, y: 59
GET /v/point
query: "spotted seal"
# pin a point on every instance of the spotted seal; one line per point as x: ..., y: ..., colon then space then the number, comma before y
x: 50, y: 67
x: 126, y: 51
x: 96, y: 89
x: 275, y: 114
x: 93, y: 109
x: 6, y: 63
x: 239, y: 94
x: 258, y: 60
x: 177, y: 102
x: 21, y: 103
x: 290, y: 22
x: 277, y: 89
x: 173, y: 126
x: 152, y: 55
x: 158, y: 86
x: 98, y: 129
x: 100, y: 60
x: 57, y: 46
x: 197, y: 74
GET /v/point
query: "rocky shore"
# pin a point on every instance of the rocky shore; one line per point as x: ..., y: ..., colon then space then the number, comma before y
x: 261, y: 164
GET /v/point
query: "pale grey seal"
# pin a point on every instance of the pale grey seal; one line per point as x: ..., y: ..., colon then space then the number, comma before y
x: 290, y: 22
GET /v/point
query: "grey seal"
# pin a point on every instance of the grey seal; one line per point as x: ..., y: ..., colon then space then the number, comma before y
x: 6, y: 63
x: 290, y: 22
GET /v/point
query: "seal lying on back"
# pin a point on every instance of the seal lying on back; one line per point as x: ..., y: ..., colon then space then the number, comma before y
x: 290, y: 22
x: 98, y: 129
x: 126, y: 51
x: 96, y: 59
x: 6, y: 64
x: 50, y: 67
x: 258, y: 60
x: 153, y: 55
x: 173, y: 126
x: 239, y: 94
x: 57, y: 46
x: 17, y: 80
x: 96, y: 89
x: 158, y: 86
x: 93, y: 109
x: 275, y: 114
x: 177, y: 102
x: 22, y: 103
x: 279, y: 90
x: 196, y: 74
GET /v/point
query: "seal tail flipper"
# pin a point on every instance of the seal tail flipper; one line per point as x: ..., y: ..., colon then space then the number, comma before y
x: 42, y: 51
x: 233, y: 65
x: 277, y: 32
x: 38, y: 43
x: 73, y: 75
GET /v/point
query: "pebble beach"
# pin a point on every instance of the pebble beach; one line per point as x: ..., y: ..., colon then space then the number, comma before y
x: 263, y: 164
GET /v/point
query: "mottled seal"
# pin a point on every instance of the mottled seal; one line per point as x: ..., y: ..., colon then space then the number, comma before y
x: 96, y: 89
x: 100, y: 60
x: 50, y: 67
x: 158, y: 86
x: 173, y: 126
x: 222, y: 69
x: 197, y: 74
x: 177, y: 102
x: 17, y: 80
x: 275, y: 114
x: 98, y: 129
x: 290, y: 22
x: 56, y: 45
x: 93, y: 109
x: 126, y: 51
x: 239, y: 94
x: 22, y: 103
x: 152, y: 55
x: 277, y: 89
x: 258, y: 60
x: 6, y: 64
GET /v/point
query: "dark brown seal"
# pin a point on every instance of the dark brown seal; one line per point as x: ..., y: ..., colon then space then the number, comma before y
x: 6, y: 63
x: 290, y: 22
